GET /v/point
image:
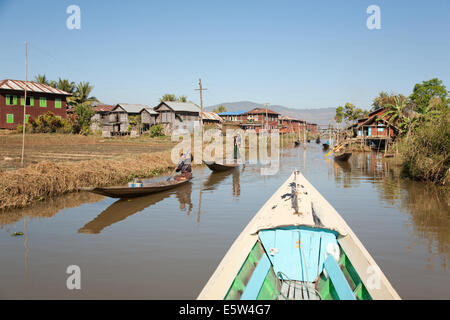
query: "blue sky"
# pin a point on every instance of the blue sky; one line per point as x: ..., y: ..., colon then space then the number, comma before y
x: 300, y: 54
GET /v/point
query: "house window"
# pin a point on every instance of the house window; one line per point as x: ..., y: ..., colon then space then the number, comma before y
x: 11, y: 100
x: 380, y: 129
x: 27, y: 116
x: 43, y: 102
x: 256, y: 118
x: 10, y: 118
x: 58, y: 103
x: 30, y: 101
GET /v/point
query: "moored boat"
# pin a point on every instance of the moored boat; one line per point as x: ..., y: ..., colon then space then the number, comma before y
x: 300, y: 249
x: 297, y: 143
x: 326, y: 146
x: 131, y: 192
x: 214, y: 166
x: 342, y: 156
x: 318, y: 140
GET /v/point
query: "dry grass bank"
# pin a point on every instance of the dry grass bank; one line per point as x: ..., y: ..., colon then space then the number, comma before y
x: 19, y: 188
x: 68, y: 147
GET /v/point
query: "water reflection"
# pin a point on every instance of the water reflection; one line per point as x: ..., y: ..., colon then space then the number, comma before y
x: 48, y: 208
x: 216, y: 178
x: 123, y: 208
x: 428, y: 205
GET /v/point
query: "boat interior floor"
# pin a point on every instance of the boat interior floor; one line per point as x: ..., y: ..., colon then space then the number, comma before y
x: 298, y: 290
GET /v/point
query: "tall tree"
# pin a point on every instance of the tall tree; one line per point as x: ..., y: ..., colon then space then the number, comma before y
x: 220, y: 109
x: 168, y: 97
x: 66, y: 85
x: 82, y: 94
x: 339, y: 114
x: 384, y: 98
x: 425, y: 91
x: 397, y: 114
x: 41, y: 78
x: 172, y: 97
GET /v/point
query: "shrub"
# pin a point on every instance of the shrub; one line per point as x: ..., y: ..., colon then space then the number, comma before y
x: 426, y: 153
x: 156, y: 131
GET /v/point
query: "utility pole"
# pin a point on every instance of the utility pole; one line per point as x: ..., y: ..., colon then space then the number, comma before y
x: 201, y: 89
x: 24, y: 103
x: 267, y: 119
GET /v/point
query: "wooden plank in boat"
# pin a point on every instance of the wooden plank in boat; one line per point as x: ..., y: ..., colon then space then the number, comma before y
x: 338, y: 279
x: 257, y: 279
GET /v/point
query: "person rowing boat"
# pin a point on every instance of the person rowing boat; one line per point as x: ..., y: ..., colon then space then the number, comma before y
x: 184, y: 168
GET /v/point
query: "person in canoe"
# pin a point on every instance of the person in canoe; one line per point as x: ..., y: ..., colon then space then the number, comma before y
x: 184, y: 168
x: 237, y: 145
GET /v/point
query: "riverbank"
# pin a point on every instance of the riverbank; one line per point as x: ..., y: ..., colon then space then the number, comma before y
x: 20, y: 188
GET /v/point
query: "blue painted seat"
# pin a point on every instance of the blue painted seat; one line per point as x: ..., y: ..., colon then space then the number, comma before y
x: 340, y: 284
x: 299, y: 253
x: 257, y: 279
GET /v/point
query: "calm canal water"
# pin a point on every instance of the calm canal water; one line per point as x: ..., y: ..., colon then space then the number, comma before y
x: 166, y: 246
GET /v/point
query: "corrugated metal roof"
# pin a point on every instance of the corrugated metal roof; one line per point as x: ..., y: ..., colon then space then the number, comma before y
x: 232, y: 113
x: 261, y: 111
x: 32, y: 86
x: 102, y: 108
x: 211, y: 116
x: 180, y: 106
x: 131, y: 108
x: 150, y: 110
x: 290, y: 119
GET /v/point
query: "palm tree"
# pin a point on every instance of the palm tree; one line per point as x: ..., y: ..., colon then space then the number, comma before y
x: 384, y: 99
x: 396, y: 112
x: 81, y: 94
x: 66, y: 85
x: 41, y: 78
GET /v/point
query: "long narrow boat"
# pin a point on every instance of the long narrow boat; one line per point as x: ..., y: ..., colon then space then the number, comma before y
x: 132, y: 192
x: 343, y: 156
x: 326, y: 146
x: 297, y: 143
x: 297, y: 247
x: 214, y: 166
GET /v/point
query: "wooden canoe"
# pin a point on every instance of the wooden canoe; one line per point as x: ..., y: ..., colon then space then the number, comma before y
x: 326, y: 146
x: 343, y: 156
x: 297, y: 143
x: 214, y: 166
x: 297, y: 250
x: 318, y: 140
x: 127, y: 192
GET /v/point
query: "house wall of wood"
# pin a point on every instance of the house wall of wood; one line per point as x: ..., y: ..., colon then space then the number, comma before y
x: 11, y: 106
x: 177, y: 119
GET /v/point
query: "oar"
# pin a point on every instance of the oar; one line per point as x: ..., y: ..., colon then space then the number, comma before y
x: 182, y: 159
x: 337, y: 148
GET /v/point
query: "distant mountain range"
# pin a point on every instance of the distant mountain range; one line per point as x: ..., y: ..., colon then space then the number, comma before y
x: 321, y: 116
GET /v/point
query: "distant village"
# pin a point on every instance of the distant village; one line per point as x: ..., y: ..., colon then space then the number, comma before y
x: 114, y: 120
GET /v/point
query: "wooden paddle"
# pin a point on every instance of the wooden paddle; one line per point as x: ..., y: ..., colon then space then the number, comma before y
x: 336, y: 148
x: 182, y: 159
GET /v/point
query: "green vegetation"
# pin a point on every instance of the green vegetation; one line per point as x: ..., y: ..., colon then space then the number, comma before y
x: 156, y: 131
x: 172, y: 97
x: 220, y: 109
x: 422, y: 121
x: 349, y: 113
x: 426, y: 152
x: 81, y: 101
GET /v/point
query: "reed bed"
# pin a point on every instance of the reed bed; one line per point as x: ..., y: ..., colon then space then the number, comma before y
x: 20, y: 188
